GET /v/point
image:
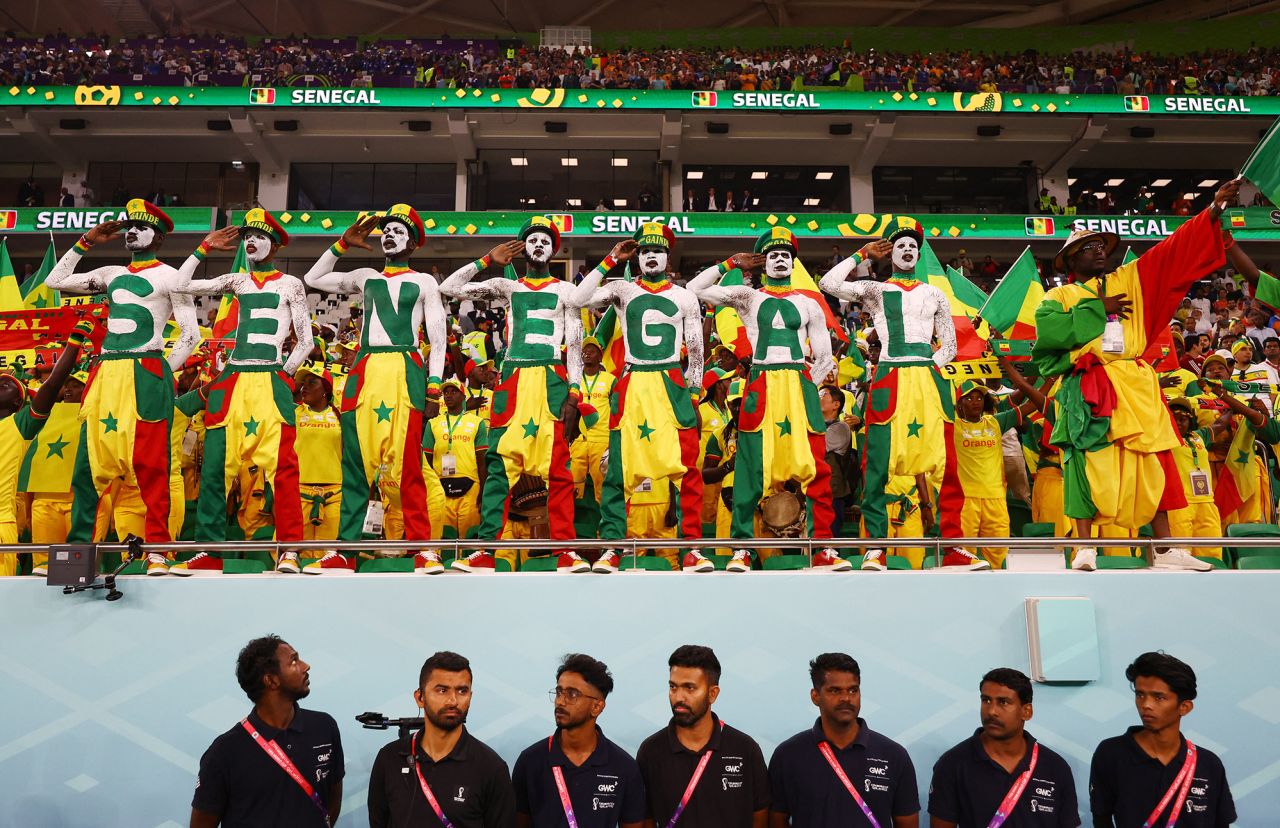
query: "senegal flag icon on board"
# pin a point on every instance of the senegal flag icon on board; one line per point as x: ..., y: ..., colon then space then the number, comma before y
x: 1137, y: 103
x: 262, y: 95
x: 1040, y: 226
x: 704, y: 99
x: 1237, y: 219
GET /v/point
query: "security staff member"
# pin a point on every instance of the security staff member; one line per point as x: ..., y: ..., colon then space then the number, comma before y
x: 577, y: 776
x: 281, y: 764
x: 1001, y: 774
x: 841, y: 772
x: 441, y: 772
x: 699, y: 771
x: 1152, y: 771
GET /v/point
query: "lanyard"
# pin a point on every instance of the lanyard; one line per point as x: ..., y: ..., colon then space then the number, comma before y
x: 591, y: 380
x: 286, y: 764
x: 563, y: 789
x: 693, y: 783
x: 450, y: 428
x: 426, y: 789
x: 1181, y: 785
x: 1015, y: 793
x: 830, y: 756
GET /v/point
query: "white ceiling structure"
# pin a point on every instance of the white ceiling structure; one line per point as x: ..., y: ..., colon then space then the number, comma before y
x: 432, y: 18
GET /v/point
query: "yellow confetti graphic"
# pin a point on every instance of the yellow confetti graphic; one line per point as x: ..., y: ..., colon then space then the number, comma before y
x: 304, y: 218
x: 772, y: 219
x: 326, y: 224
x: 285, y: 218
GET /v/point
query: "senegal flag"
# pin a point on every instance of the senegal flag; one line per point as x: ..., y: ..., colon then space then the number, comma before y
x: 608, y: 332
x: 729, y: 327
x: 1263, y: 166
x: 1238, y: 480
x: 37, y: 295
x: 965, y: 298
x: 228, y: 318
x: 802, y: 282
x: 1011, y: 310
x: 1160, y: 353
x: 10, y: 293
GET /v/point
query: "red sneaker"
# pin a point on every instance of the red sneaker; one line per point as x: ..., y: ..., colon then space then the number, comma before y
x: 740, y: 562
x: 695, y: 562
x: 333, y: 563
x: 571, y: 563
x: 827, y: 559
x: 202, y: 564
x: 963, y: 558
x: 609, y: 562
x: 477, y: 563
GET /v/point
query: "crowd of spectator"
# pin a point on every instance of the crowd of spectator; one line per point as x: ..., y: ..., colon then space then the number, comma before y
x: 223, y: 60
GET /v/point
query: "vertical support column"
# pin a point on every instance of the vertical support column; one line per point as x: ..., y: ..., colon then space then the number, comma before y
x: 460, y: 186
x: 273, y: 189
x: 861, y: 193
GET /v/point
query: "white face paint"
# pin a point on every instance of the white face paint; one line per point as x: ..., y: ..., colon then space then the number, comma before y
x: 395, y: 239
x: 538, y: 247
x: 778, y: 263
x: 138, y: 237
x: 653, y: 261
x: 906, y: 252
x: 257, y: 245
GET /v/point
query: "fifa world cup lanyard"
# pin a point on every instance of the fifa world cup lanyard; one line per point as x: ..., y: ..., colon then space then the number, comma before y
x: 563, y: 789
x: 693, y: 783
x: 426, y: 789
x: 1010, y: 800
x: 1181, y: 786
x: 273, y: 750
x: 830, y: 756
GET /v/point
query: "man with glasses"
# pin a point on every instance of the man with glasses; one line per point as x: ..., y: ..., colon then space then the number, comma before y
x: 840, y: 772
x: 441, y: 775
x: 577, y: 777
x: 1112, y: 424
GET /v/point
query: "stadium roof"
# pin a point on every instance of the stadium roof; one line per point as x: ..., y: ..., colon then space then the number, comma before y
x: 429, y: 18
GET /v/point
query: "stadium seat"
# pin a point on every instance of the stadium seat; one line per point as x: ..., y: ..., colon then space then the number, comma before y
x: 372, y: 565
x: 781, y: 563
x: 891, y: 561
x: 1037, y: 530
x: 1239, y: 554
x: 543, y: 564
x: 649, y: 563
x: 1114, y: 561
x: 1259, y: 562
x: 720, y: 561
x: 246, y: 565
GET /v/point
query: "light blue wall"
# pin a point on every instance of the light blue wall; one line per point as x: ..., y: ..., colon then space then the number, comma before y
x: 107, y: 707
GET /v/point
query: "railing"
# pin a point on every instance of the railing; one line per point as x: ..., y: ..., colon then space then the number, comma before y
x: 631, y: 547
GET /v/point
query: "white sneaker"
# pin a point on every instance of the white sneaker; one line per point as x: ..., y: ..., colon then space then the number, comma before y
x: 873, y: 560
x: 741, y: 561
x: 1085, y: 560
x: 288, y: 563
x: 608, y: 562
x: 40, y: 571
x: 1179, y: 558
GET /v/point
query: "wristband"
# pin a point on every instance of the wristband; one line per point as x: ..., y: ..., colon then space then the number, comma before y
x: 82, y: 245
x: 858, y: 258
x: 201, y: 252
x: 483, y: 262
x: 1228, y: 240
x: 727, y: 265
x: 338, y: 248
x: 606, y: 264
x: 77, y: 338
x: 433, y: 387
x: 575, y: 392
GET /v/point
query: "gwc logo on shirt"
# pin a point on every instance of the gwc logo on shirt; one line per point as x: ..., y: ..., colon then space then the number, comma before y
x: 606, y: 792
x: 1044, y: 796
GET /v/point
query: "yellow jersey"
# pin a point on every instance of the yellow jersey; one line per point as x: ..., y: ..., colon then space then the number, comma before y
x: 318, y: 442
x: 979, y: 457
x: 1192, y: 460
x: 456, y: 444
x: 486, y: 402
x: 596, y: 389
x: 713, y: 422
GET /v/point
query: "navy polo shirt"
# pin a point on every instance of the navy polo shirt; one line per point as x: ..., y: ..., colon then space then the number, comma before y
x: 807, y: 789
x: 1126, y: 784
x: 968, y: 786
x: 242, y: 785
x: 606, y: 790
x: 734, y: 786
